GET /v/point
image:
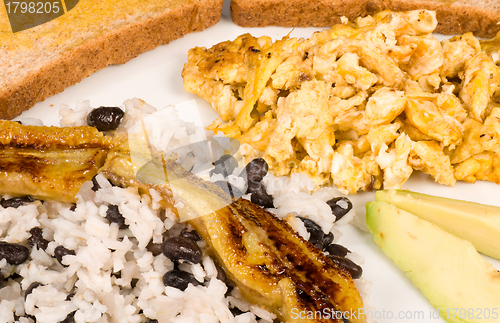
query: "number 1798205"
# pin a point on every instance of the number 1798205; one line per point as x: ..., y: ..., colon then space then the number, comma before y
x: 469, y: 313
x: 32, y: 7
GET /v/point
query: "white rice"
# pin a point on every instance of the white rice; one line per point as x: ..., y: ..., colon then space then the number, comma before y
x: 102, y: 249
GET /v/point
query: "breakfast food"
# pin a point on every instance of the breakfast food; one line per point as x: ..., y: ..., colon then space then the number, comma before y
x: 454, y: 17
x: 456, y: 280
x: 361, y: 105
x: 271, y: 265
x: 120, y: 252
x: 44, y: 60
x: 475, y: 222
x: 49, y: 162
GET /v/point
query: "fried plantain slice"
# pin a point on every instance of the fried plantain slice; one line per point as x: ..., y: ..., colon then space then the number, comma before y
x: 49, y: 162
x: 272, y: 265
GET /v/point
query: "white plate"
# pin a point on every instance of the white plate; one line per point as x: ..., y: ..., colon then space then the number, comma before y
x: 155, y: 77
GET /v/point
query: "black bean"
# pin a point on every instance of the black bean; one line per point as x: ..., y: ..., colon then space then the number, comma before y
x: 229, y: 189
x: 60, y: 252
x: 236, y: 311
x: 259, y: 195
x: 37, y: 239
x: 152, y: 321
x: 338, y: 210
x: 154, y: 248
x: 229, y: 289
x: 327, y: 240
x: 181, y: 248
x: 14, y: 253
x: 355, y: 270
x: 193, y: 235
x: 179, y: 279
x: 113, y: 215
x: 14, y: 276
x: 2, y: 279
x: 255, y: 170
x: 16, y: 202
x: 30, y: 288
x: 105, y: 118
x: 70, y: 318
x: 221, y: 274
x: 316, y: 234
x: 95, y: 186
x: 337, y: 250
x: 224, y: 165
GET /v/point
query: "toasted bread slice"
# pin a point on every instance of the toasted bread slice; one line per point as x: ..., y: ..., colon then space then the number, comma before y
x: 42, y: 61
x: 454, y: 16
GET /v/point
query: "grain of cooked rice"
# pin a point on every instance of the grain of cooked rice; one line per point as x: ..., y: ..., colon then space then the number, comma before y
x: 113, y: 277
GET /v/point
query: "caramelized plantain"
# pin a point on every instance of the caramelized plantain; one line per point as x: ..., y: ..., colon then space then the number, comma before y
x: 15, y: 135
x: 49, y: 162
x: 272, y: 265
x: 276, y: 268
x: 267, y: 260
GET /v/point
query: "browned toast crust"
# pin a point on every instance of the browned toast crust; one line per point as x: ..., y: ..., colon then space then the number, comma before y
x: 454, y: 17
x: 298, y: 13
x: 116, y: 47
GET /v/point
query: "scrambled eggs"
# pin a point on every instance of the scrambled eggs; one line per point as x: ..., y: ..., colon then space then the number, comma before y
x: 361, y: 105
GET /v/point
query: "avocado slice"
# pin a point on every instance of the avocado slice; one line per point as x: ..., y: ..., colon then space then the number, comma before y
x: 453, y: 276
x: 477, y: 223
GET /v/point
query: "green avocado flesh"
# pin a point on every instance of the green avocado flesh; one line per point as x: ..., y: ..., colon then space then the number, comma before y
x: 477, y: 223
x: 448, y: 270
